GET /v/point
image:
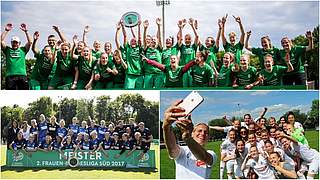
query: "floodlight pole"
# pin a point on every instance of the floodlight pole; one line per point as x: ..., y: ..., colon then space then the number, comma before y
x: 163, y: 3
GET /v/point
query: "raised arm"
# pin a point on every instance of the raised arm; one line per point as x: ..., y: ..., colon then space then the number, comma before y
x: 34, y: 49
x: 196, y: 38
x: 158, y: 21
x: 246, y: 44
x: 170, y: 116
x: 73, y: 49
x: 23, y: 27
x: 132, y: 32
x: 4, y: 35
x: 125, y: 40
x: 181, y: 25
x: 310, y: 40
x: 84, y: 36
x: 197, y: 150
x: 219, y: 33
x: 145, y: 29
x: 223, y: 37
x: 244, y: 164
x: 139, y: 33
x: 61, y: 35
x: 55, y: 52
x: 218, y: 128
x: 117, y: 35
x: 241, y: 29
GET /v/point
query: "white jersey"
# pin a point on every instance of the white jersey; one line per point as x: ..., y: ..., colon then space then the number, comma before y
x: 303, y: 151
x: 188, y: 167
x: 228, y: 147
x: 261, y: 168
x: 25, y: 134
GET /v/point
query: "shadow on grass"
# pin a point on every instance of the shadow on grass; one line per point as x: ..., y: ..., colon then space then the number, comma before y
x: 36, y: 169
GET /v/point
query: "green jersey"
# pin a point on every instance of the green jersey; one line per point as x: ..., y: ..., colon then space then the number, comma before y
x: 212, y: 54
x: 224, y: 77
x: 273, y: 78
x: 120, y: 77
x: 96, y: 54
x: 298, y: 136
x: 102, y: 70
x: 123, y: 53
x: 166, y: 54
x: 296, y: 58
x: 236, y: 50
x: 65, y: 66
x: 187, y: 53
x: 42, y: 68
x: 260, y: 52
x: 173, y: 78
x: 201, y: 76
x: 15, y: 61
x: 85, y: 68
x: 246, y: 77
x: 155, y: 55
x: 133, y: 59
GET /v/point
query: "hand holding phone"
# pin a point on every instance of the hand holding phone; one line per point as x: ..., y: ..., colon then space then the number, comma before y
x: 192, y: 101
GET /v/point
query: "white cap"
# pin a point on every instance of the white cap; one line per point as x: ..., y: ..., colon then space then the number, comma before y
x: 15, y: 38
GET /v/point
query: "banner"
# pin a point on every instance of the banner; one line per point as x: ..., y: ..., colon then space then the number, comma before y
x: 80, y: 159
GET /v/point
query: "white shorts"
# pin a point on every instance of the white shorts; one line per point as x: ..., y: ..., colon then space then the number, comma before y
x: 230, y: 166
x: 314, y: 166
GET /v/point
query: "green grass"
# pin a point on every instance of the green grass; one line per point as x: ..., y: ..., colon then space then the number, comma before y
x: 79, y: 174
x: 167, y: 166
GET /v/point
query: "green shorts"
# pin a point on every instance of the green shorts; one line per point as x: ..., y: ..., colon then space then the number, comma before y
x: 38, y: 85
x: 133, y: 81
x: 57, y: 81
x: 154, y: 81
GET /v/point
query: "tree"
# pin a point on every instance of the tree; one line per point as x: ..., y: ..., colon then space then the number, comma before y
x: 314, y: 113
x: 101, y: 107
x: 67, y: 110
x: 43, y: 105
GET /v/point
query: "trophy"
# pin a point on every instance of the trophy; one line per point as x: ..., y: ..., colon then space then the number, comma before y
x: 130, y: 19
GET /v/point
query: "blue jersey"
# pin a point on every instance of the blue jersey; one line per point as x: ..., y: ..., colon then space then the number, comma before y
x: 56, y: 145
x: 82, y: 130
x: 62, y: 132
x: 44, y: 145
x: 101, y: 132
x: 126, y: 145
x: 67, y: 146
x: 106, y: 144
x: 33, y: 130
x: 18, y: 144
x: 42, y: 127
x: 85, y: 145
x: 94, y: 142
x: 116, y: 145
x: 74, y: 128
x: 30, y: 145
x: 90, y: 129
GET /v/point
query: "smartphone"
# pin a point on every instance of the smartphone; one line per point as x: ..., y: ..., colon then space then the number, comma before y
x: 192, y: 101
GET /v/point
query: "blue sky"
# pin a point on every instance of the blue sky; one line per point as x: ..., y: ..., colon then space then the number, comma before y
x: 276, y: 19
x: 216, y: 104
